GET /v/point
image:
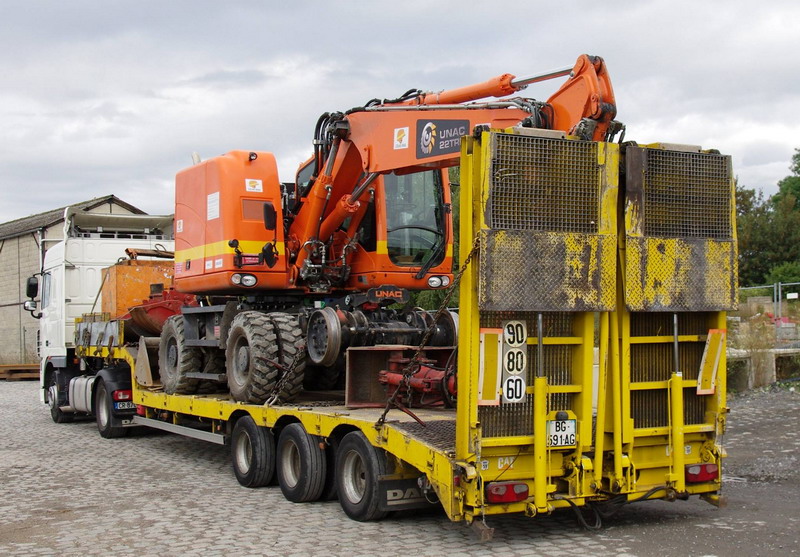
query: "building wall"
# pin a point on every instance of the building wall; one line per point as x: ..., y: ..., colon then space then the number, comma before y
x: 19, y: 259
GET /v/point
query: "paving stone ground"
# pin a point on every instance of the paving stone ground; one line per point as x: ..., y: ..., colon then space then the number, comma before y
x: 64, y: 490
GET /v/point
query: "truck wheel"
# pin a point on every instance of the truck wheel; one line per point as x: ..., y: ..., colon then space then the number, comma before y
x: 301, y: 465
x: 103, y: 408
x: 253, y: 453
x: 292, y: 353
x: 252, y: 346
x: 58, y: 416
x: 358, y: 467
x: 175, y: 360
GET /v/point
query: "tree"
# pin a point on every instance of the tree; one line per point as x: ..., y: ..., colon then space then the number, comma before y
x: 791, y: 184
x: 784, y: 272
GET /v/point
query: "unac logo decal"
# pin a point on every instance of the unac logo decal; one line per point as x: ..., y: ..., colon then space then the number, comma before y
x: 427, y: 139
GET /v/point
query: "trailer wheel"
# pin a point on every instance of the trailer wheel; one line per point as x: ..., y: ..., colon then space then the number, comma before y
x: 301, y: 465
x: 292, y: 353
x: 175, y: 359
x: 251, y: 349
x: 58, y: 416
x: 358, y: 467
x: 103, y: 408
x: 253, y: 453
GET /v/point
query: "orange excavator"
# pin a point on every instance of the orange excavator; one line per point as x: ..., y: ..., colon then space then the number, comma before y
x: 289, y: 276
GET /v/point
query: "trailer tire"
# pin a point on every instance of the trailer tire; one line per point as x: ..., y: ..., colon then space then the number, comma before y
x: 252, y: 347
x: 252, y: 453
x: 175, y: 359
x: 358, y: 467
x: 301, y: 465
x: 291, y: 348
x: 103, y: 411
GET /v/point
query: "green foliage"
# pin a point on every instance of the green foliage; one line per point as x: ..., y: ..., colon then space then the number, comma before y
x: 785, y: 272
x: 769, y: 230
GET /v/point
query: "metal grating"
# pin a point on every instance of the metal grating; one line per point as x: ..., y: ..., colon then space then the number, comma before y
x: 655, y: 362
x: 517, y: 419
x: 660, y: 324
x: 547, y: 185
x: 694, y: 407
x: 507, y: 420
x: 650, y: 408
x: 687, y: 195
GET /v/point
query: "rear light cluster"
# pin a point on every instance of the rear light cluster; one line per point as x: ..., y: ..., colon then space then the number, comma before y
x: 122, y: 395
x: 506, y: 492
x: 697, y: 473
x: 240, y: 279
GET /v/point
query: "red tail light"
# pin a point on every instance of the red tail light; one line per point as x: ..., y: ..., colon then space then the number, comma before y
x: 506, y: 492
x: 697, y: 473
x: 122, y: 395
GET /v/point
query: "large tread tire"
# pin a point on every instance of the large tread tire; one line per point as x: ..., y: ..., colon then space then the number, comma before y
x: 291, y: 348
x: 251, y: 350
x: 103, y: 411
x: 252, y: 453
x: 301, y: 466
x: 359, y: 465
x: 175, y: 359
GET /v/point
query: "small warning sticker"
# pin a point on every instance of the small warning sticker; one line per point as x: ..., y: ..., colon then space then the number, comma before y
x: 401, y: 138
x: 179, y: 226
x: 212, y: 206
x: 209, y: 264
x: 253, y: 185
x: 218, y: 263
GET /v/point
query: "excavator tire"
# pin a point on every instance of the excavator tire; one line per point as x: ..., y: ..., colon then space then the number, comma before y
x: 251, y: 348
x: 175, y: 359
x: 292, y: 353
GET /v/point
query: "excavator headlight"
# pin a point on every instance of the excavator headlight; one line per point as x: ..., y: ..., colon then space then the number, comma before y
x: 435, y: 282
x: 445, y: 281
x: 236, y: 278
x: 249, y: 280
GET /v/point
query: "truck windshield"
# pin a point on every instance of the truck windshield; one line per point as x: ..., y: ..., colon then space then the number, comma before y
x: 415, y: 230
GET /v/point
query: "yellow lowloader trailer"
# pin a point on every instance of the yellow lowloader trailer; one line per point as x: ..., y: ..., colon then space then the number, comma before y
x: 571, y: 248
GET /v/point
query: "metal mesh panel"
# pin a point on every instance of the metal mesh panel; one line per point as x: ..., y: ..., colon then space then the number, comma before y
x: 694, y: 407
x: 655, y: 362
x: 553, y: 324
x: 650, y: 408
x: 680, y: 247
x: 507, y: 419
x: 660, y: 324
x: 543, y: 184
x: 534, y: 271
x: 560, y: 401
x: 687, y: 195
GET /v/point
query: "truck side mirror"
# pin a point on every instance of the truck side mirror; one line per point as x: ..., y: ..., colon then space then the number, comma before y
x: 270, y: 216
x: 32, y: 288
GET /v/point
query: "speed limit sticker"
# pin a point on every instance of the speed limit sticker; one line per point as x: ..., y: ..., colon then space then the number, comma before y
x: 514, y: 361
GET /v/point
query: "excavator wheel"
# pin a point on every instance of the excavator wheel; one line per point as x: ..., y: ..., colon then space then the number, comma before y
x: 175, y: 359
x: 251, y: 348
x: 292, y: 353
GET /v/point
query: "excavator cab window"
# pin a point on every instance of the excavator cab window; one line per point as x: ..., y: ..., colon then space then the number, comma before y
x: 415, y: 227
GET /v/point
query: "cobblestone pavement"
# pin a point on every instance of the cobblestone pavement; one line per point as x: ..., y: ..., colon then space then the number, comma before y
x: 66, y: 491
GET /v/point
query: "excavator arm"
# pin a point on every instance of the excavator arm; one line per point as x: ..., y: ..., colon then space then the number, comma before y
x: 422, y: 131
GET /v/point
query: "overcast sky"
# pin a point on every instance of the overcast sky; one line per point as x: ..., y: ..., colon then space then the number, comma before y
x: 111, y: 97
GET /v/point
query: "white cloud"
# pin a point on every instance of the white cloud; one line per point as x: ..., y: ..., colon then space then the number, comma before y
x: 113, y: 97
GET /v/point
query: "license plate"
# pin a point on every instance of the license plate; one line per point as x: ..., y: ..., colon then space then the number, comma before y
x: 561, y: 433
x: 124, y: 406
